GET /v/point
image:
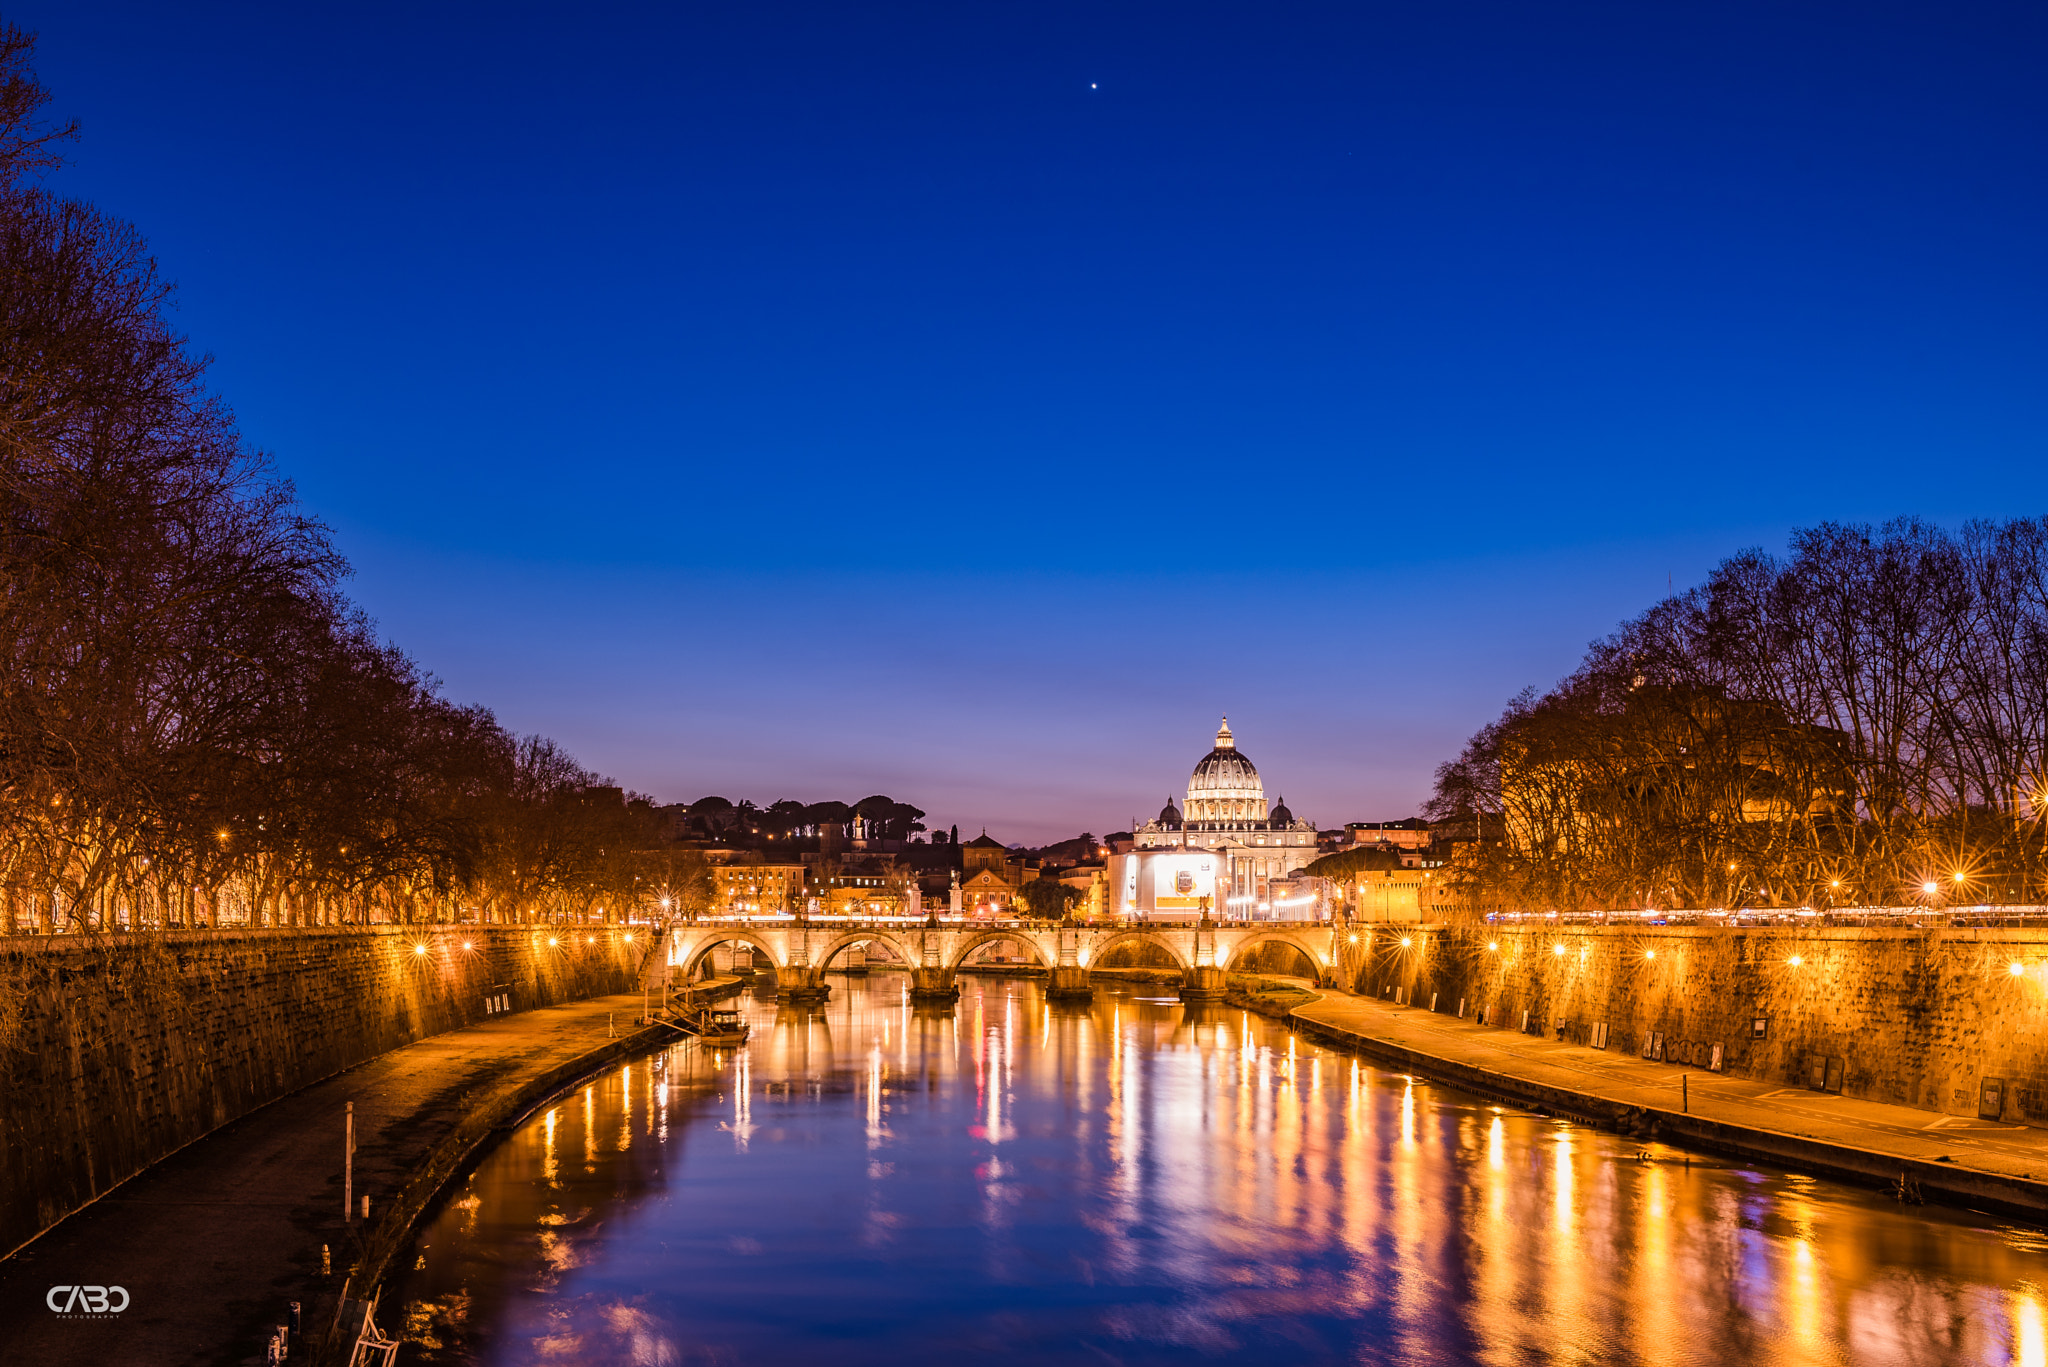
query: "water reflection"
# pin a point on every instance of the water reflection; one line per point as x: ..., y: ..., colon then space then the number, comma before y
x: 1138, y: 1183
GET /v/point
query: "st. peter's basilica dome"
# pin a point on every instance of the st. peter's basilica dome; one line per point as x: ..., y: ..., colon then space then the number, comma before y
x: 1225, y: 788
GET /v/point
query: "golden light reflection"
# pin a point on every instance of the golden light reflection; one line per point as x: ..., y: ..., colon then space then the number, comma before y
x: 1804, y: 1311
x: 1651, y: 1289
x: 1217, y: 1162
x: 876, y: 1134
x: 1562, y: 1197
x: 2029, y: 1329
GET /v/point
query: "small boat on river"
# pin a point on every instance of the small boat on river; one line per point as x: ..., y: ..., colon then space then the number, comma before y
x: 720, y: 1027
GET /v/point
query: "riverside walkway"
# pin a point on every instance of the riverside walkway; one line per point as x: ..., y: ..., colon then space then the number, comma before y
x: 1984, y: 1164
x: 213, y: 1243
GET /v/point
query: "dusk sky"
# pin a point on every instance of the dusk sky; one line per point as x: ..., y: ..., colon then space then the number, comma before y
x: 970, y: 403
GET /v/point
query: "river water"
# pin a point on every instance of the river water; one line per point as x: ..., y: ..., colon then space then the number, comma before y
x: 1138, y: 1182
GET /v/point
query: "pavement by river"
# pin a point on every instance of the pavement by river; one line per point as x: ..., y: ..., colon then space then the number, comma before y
x: 213, y: 1243
x: 1902, y: 1132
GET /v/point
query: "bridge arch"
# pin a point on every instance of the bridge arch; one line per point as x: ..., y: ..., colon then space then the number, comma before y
x: 1316, y: 956
x: 822, y: 960
x: 691, y: 952
x: 1100, y: 950
x: 985, y: 937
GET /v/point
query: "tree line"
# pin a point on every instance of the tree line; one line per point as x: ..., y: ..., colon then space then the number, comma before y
x: 872, y: 818
x: 196, y: 726
x: 1861, y: 721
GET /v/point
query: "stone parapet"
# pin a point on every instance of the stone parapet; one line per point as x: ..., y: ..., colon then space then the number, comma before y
x: 116, y: 1050
x: 1946, y: 1019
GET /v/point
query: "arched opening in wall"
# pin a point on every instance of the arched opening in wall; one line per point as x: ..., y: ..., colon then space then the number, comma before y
x: 856, y: 958
x: 1000, y: 954
x: 1276, y: 958
x: 734, y: 958
x: 1137, y: 956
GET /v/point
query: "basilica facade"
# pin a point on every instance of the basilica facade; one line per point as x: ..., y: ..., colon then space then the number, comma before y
x: 1224, y: 817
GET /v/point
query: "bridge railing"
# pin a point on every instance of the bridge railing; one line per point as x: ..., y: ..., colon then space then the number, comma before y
x: 1020, y: 923
x: 1894, y: 917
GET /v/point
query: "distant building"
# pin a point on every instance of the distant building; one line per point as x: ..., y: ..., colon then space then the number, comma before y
x: 990, y: 876
x: 760, y: 889
x: 1412, y: 834
x: 1250, y: 845
x: 1091, y: 880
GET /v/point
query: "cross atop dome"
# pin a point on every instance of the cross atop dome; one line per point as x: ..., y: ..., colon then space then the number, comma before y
x: 1223, y: 738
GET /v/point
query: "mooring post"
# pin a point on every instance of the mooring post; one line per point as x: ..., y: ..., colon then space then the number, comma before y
x: 348, y: 1165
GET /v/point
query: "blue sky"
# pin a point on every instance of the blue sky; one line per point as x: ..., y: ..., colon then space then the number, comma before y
x: 971, y: 402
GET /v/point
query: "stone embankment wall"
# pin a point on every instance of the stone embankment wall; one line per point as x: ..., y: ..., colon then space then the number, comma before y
x: 117, y: 1050
x: 1917, y: 1017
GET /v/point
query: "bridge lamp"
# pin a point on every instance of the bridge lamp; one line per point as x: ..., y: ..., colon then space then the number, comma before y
x: 2016, y: 968
x: 467, y: 945
x: 1354, y: 939
x: 419, y: 949
x: 1649, y: 954
x: 1930, y: 887
x: 1795, y: 961
x: 1493, y: 946
x: 1558, y: 950
x: 552, y: 942
x: 629, y: 937
x: 1404, y: 942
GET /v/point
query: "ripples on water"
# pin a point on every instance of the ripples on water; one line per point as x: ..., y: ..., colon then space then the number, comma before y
x: 1139, y: 1183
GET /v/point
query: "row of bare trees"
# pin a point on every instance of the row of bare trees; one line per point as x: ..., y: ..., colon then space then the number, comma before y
x: 1863, y: 721
x: 195, y: 725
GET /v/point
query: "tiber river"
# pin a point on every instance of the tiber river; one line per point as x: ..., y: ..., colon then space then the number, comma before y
x: 1139, y: 1182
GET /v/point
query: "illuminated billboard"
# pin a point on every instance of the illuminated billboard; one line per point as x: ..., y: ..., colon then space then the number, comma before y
x: 1180, y: 882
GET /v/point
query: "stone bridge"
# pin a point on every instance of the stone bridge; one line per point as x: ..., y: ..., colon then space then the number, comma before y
x: 801, y: 952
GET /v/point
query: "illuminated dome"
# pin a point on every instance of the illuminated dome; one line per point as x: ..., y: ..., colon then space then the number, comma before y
x: 1225, y: 789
